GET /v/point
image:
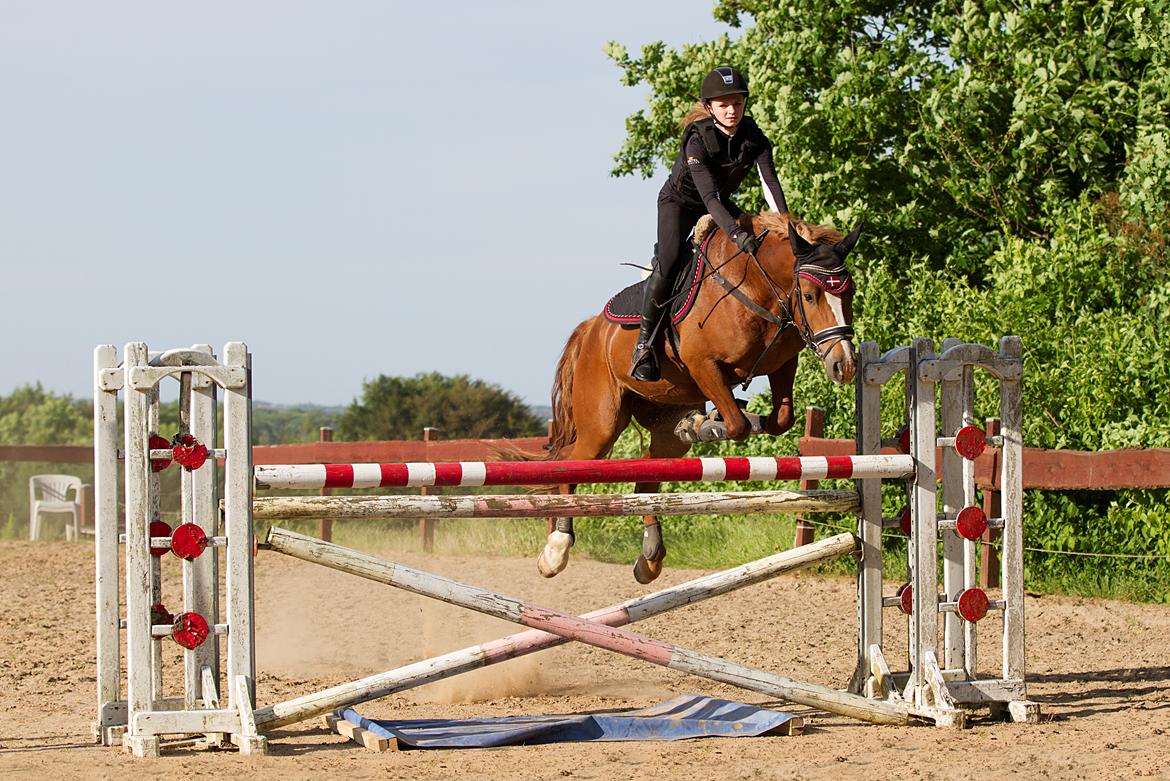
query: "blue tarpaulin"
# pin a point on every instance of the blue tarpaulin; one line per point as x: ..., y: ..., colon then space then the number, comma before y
x: 685, y: 716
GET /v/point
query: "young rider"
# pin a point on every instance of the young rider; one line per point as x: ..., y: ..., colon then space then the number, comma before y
x: 720, y: 145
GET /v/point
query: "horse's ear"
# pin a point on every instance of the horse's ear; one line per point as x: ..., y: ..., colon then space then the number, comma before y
x: 846, y: 244
x: 797, y: 242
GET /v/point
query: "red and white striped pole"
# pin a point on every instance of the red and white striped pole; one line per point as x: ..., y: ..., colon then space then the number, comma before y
x: 633, y: 470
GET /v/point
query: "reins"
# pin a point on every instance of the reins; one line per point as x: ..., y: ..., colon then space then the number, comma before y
x: 812, y: 340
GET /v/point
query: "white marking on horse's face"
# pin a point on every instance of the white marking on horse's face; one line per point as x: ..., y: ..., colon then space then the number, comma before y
x: 837, y: 307
x: 840, y: 361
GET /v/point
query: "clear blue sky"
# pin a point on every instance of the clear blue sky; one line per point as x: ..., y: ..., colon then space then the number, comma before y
x: 352, y: 188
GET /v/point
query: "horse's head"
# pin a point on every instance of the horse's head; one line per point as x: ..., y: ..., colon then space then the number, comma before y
x: 822, y: 301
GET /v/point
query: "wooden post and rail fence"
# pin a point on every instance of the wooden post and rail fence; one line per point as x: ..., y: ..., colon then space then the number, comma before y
x: 1050, y: 470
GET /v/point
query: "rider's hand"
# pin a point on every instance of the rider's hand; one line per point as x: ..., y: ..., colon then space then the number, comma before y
x: 745, y: 241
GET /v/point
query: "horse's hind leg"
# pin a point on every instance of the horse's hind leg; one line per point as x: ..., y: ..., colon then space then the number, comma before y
x: 663, y: 444
x: 595, y: 439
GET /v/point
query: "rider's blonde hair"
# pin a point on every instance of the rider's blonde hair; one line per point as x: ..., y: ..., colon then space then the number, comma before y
x: 698, y: 111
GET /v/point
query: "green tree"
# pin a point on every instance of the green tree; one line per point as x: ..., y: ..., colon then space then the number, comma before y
x: 946, y: 126
x: 462, y: 408
x: 32, y: 416
x: 274, y: 425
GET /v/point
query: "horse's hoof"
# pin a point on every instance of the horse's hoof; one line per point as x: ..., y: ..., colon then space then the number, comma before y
x: 688, y: 428
x: 713, y: 431
x: 646, y: 571
x: 555, y: 556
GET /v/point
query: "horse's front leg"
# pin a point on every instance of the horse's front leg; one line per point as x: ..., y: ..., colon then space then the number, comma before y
x: 782, y: 416
x: 709, y: 377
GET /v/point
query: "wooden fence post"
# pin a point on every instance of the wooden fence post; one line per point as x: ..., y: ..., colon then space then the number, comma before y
x: 988, y: 558
x: 814, y: 426
x: 85, y: 500
x: 426, y: 526
x: 326, y: 435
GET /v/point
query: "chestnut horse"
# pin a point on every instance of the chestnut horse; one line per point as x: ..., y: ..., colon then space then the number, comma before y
x: 794, y: 293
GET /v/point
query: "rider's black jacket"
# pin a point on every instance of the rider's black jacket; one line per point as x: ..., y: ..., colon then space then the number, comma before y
x: 711, y: 165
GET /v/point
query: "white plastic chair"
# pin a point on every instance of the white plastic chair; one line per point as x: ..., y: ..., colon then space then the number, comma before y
x: 54, y: 498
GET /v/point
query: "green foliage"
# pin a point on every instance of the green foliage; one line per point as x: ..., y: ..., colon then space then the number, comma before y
x: 943, y: 125
x: 1012, y: 167
x: 32, y: 416
x: 274, y: 425
x: 462, y: 408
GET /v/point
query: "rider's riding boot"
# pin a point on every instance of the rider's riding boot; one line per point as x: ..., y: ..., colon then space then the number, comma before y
x: 654, y: 297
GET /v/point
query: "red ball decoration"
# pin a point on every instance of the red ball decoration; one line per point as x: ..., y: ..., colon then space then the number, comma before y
x: 189, y: 452
x: 188, y: 541
x: 971, y: 522
x: 190, y: 630
x: 906, y: 595
x: 158, y: 443
x: 905, y: 521
x: 970, y: 442
x: 160, y: 615
x: 973, y: 604
x: 159, y: 529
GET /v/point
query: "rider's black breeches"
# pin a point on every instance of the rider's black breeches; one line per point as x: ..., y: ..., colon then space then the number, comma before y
x: 675, y: 222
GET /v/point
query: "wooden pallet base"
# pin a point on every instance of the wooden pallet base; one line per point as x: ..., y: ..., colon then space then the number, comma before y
x: 361, y: 736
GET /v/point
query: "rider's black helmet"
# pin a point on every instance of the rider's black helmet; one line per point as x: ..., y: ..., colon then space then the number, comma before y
x: 722, y: 82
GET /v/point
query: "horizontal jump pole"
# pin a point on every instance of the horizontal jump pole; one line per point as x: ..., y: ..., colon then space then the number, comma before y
x: 438, y: 668
x: 592, y: 633
x: 269, y: 508
x: 615, y: 470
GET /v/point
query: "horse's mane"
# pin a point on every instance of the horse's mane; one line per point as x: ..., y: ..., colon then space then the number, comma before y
x: 776, y: 223
x: 817, y: 234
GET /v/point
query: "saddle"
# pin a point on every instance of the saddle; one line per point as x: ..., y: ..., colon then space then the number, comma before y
x: 625, y: 308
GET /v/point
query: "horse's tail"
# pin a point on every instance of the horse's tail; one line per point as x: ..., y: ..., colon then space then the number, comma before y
x: 563, y: 432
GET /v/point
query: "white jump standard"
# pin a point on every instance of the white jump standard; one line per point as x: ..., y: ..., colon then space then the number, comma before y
x: 204, y: 705
x: 951, y: 684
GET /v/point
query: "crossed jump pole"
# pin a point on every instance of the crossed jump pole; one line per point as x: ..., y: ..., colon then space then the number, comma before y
x: 585, y: 631
x: 533, y: 640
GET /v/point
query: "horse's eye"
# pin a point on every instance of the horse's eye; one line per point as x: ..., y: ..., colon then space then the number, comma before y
x: 808, y: 297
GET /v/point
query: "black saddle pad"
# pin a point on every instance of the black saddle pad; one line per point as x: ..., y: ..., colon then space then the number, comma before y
x: 626, y: 307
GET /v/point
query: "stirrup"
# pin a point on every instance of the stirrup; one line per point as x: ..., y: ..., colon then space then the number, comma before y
x: 644, y: 365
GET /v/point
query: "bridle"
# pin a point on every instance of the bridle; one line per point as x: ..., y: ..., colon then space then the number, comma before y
x: 834, y: 280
